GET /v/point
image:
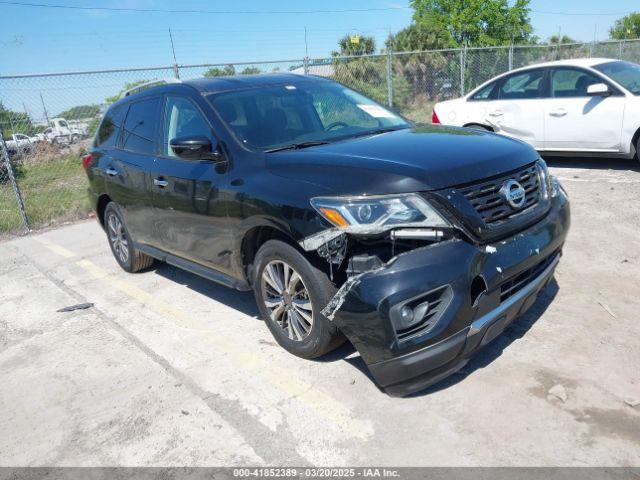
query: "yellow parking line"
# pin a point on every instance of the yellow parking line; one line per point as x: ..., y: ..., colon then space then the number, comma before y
x: 63, y: 252
x: 323, y: 404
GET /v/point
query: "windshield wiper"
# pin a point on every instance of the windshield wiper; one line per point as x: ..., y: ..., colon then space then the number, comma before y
x: 297, y: 146
x: 380, y: 130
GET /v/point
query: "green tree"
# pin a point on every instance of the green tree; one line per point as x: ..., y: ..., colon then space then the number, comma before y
x: 250, y: 71
x: 626, y: 27
x: 127, y: 86
x: 226, y: 71
x: 420, y: 37
x: 563, y: 40
x: 14, y: 122
x: 477, y: 22
x: 355, y: 45
x: 80, y: 111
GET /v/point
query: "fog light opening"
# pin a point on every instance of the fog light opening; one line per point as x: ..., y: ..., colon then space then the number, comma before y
x: 478, y: 287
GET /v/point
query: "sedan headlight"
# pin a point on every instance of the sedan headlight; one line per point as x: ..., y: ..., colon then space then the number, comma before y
x: 377, y: 214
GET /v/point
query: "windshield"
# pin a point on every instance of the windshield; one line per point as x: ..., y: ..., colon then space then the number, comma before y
x: 271, y: 117
x: 626, y: 74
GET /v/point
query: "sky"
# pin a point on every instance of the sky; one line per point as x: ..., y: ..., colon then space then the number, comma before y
x: 53, y: 40
x: 41, y: 40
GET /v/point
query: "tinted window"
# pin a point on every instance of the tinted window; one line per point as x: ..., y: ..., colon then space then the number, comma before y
x: 275, y: 116
x: 141, y: 126
x: 109, y: 128
x: 182, y: 119
x: 569, y: 82
x: 626, y: 74
x: 523, y: 85
x: 484, y: 93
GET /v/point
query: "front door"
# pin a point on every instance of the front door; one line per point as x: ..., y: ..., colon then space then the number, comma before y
x: 190, y: 217
x: 578, y: 122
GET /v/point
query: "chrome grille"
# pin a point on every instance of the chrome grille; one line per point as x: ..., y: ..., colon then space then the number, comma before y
x: 486, y: 199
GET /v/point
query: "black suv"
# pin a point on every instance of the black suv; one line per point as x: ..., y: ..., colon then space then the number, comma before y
x: 419, y: 244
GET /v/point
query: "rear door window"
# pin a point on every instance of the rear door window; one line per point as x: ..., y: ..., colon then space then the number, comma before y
x: 140, y: 130
x: 523, y: 85
x: 109, y: 128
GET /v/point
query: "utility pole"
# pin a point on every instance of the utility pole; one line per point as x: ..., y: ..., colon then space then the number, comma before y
x: 175, y: 62
x: 44, y: 108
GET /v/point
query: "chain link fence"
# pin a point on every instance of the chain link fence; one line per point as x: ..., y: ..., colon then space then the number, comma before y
x: 47, y: 121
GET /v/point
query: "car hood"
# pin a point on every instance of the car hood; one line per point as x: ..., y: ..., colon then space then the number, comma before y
x: 409, y: 160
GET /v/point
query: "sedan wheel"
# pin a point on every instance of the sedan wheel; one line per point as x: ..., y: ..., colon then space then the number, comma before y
x: 287, y: 299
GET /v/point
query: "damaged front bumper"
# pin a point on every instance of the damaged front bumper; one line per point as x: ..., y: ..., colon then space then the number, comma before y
x: 479, y: 290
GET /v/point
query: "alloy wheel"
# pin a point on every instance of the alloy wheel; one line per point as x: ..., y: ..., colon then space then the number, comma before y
x: 287, y: 299
x: 118, y: 238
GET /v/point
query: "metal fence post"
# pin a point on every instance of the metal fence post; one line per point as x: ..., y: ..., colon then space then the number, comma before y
x: 4, y: 156
x: 305, y: 62
x: 463, y: 56
x: 389, y: 79
x: 621, y: 49
x: 511, y: 57
x: 176, y: 70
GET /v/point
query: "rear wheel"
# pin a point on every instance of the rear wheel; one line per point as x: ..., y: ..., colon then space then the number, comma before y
x: 127, y: 256
x: 291, y: 294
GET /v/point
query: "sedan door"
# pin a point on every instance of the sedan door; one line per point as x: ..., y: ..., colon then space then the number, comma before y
x: 517, y: 110
x: 190, y: 215
x: 575, y: 121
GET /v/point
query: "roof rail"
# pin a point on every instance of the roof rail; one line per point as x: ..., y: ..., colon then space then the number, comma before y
x: 146, y: 85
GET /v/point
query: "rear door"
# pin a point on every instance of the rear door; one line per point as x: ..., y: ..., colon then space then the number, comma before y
x: 127, y: 167
x: 577, y: 122
x: 517, y: 109
x: 190, y: 215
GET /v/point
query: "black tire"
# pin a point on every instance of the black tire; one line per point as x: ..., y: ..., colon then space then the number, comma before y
x: 477, y: 126
x: 323, y: 335
x: 127, y: 256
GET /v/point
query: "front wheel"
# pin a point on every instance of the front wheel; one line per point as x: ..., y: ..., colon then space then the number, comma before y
x: 291, y: 294
x: 127, y: 256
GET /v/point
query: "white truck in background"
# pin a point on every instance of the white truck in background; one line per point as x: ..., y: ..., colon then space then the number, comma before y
x: 63, y: 132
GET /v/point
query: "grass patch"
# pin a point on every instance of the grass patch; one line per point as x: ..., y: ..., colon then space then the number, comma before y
x: 53, y: 191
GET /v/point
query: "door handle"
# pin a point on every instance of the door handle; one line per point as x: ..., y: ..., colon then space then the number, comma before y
x: 558, y: 112
x: 112, y: 172
x: 160, y: 182
x: 496, y: 113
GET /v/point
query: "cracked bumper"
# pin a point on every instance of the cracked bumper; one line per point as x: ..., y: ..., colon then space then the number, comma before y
x: 405, y: 366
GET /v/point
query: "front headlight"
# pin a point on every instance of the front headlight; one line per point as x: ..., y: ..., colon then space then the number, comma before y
x: 377, y: 214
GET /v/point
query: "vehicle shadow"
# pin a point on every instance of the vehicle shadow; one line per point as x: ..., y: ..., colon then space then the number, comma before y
x: 595, y: 163
x: 242, y: 301
x: 494, y: 349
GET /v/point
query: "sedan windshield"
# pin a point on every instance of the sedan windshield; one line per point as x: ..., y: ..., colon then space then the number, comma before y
x: 297, y: 116
x: 626, y: 74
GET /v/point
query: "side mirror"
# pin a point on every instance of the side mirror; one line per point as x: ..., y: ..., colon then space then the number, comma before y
x: 598, y: 90
x: 196, y: 147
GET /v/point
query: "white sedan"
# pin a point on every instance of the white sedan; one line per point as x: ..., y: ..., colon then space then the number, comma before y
x: 585, y: 107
